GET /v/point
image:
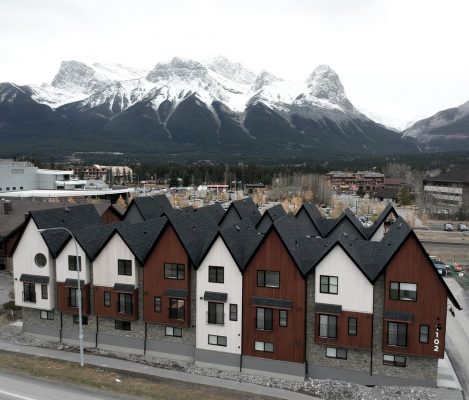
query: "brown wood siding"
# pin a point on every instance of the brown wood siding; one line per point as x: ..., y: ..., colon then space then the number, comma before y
x: 360, y: 341
x: 289, y: 342
x: 410, y: 265
x: 113, y: 310
x: 109, y: 217
x: 63, y: 299
x: 169, y: 249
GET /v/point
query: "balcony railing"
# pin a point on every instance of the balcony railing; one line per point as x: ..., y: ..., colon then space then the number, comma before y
x: 215, y: 318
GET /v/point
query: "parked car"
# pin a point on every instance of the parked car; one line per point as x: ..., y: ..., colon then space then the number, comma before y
x: 462, y: 228
x: 448, y: 227
x: 441, y: 267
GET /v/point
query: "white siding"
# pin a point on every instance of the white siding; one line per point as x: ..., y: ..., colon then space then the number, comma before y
x: 61, y: 264
x: 30, y: 244
x: 105, y: 265
x: 219, y: 255
x: 379, y: 234
x: 355, y: 292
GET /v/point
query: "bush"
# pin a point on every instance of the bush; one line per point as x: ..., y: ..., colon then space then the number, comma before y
x: 10, y: 305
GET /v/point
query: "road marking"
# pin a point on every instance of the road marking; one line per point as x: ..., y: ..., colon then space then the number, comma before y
x: 16, y: 395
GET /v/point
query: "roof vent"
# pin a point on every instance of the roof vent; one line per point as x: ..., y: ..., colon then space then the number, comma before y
x: 345, y: 234
x: 237, y: 228
x: 66, y: 209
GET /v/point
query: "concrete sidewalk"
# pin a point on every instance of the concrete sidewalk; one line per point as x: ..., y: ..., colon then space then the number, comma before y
x: 135, y: 368
x: 446, y: 376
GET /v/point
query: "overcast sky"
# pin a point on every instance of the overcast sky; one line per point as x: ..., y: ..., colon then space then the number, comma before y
x: 400, y: 58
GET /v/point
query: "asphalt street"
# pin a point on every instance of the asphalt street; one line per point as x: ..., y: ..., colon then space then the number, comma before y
x: 16, y: 387
x: 457, y: 336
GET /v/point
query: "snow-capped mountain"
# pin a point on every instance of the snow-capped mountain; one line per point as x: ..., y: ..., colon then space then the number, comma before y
x: 446, y: 130
x: 215, y: 103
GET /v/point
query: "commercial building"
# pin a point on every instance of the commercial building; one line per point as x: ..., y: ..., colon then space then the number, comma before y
x: 352, y: 181
x: 304, y: 297
x: 450, y: 190
x: 111, y: 174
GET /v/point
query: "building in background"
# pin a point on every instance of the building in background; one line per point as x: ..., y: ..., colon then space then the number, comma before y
x: 111, y: 174
x: 450, y: 190
x: 351, y: 181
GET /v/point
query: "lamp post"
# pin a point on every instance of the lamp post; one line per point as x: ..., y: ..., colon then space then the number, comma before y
x: 78, y: 266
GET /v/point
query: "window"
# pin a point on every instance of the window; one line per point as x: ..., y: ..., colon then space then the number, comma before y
x: 122, y: 325
x: 176, y: 309
x: 216, y: 274
x: 40, y: 260
x: 352, y: 326
x: 403, y: 291
x: 264, y: 319
x: 329, y: 284
x: 397, y: 361
x: 172, y: 331
x: 233, y: 312
x: 269, y: 279
x: 217, y: 340
x: 124, y: 267
x: 174, y: 271
x: 423, y: 337
x: 72, y: 297
x: 84, y: 319
x: 29, y: 292
x: 283, y: 318
x: 47, y: 314
x: 264, y: 346
x: 397, y: 334
x: 107, y: 299
x: 72, y: 263
x: 215, y: 313
x: 125, y: 303
x: 44, y: 292
x: 332, y: 352
x: 157, y: 304
x: 328, y: 326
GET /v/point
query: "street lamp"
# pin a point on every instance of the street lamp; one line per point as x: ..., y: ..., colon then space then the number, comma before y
x: 80, y: 324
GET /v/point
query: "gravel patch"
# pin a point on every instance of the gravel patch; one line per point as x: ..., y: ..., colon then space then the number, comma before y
x: 322, y: 388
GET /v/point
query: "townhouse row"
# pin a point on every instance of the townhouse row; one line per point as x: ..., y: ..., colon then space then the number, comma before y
x: 294, y: 296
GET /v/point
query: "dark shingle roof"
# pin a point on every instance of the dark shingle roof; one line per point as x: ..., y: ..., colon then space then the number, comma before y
x: 389, y: 209
x: 457, y: 175
x: 246, y: 209
x: 152, y: 206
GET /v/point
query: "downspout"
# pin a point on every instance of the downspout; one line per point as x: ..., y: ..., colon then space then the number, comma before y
x: 372, y: 333
x: 305, y: 316
x: 145, y: 341
x: 61, y: 327
x: 97, y: 330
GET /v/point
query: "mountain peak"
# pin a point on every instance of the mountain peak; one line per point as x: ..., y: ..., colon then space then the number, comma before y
x: 179, y: 68
x: 76, y: 76
x: 265, y: 78
x: 324, y: 83
x: 231, y: 70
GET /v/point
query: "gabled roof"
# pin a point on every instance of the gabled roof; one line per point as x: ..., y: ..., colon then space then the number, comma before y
x: 245, y: 208
x: 151, y: 206
x: 389, y: 209
x: 272, y: 213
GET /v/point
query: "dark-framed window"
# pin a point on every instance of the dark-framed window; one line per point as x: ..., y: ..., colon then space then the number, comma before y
x: 216, y: 274
x: 217, y: 340
x: 157, y: 304
x: 107, y: 299
x: 173, y: 331
x: 125, y: 303
x: 122, y: 325
x: 397, y: 361
x: 177, y: 309
x: 403, y: 291
x: 352, y: 326
x: 174, y: 271
x: 268, y: 279
x: 215, y: 314
x: 397, y: 334
x: 333, y: 352
x: 44, y: 314
x: 329, y: 284
x: 328, y: 326
x: 44, y: 294
x: 424, y: 333
x: 72, y: 297
x: 283, y: 318
x: 264, y: 319
x: 84, y: 319
x: 29, y: 292
x: 264, y: 346
x: 233, y: 312
x: 72, y: 263
x: 124, y: 267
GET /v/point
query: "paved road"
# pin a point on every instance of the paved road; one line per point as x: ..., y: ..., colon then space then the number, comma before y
x: 457, y: 336
x: 16, y: 387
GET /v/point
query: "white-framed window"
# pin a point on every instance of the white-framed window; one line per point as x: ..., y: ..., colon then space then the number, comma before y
x: 333, y: 352
x: 44, y: 314
x: 264, y: 346
x: 173, y: 331
x: 217, y: 340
